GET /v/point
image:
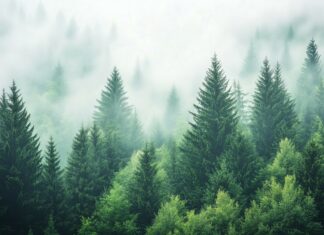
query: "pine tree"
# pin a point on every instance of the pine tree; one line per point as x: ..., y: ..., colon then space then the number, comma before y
x: 319, y: 101
x: 113, y: 111
x: 20, y: 167
x: 136, y: 132
x: 145, y: 198
x: 307, y: 84
x: 211, y: 130
x: 240, y: 103
x: 113, y: 116
x: 273, y: 115
x: 78, y: 181
x: 54, y: 192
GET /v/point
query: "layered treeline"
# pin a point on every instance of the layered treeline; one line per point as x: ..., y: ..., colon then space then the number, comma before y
x: 236, y: 170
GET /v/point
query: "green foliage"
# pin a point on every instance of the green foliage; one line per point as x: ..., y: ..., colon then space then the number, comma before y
x: 281, y: 209
x: 169, y: 219
x: 50, y: 230
x: 135, y: 133
x: 54, y: 192
x: 287, y: 161
x: 144, y: 189
x: 112, y: 215
x: 78, y: 181
x: 211, y: 131
x: 273, y: 115
x: 172, y: 112
x: 20, y: 167
x: 240, y: 104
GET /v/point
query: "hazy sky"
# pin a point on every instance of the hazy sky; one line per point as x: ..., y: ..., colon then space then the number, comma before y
x: 172, y: 42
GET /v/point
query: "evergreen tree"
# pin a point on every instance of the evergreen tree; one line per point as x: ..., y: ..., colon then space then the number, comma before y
x: 319, y: 101
x: 240, y: 103
x: 250, y: 62
x: 214, y: 123
x: 281, y: 209
x: 57, y: 87
x: 113, y: 115
x: 145, y: 189
x: 273, y: 115
x: 136, y: 132
x: 54, y: 192
x: 307, y: 84
x: 78, y: 181
x: 20, y: 167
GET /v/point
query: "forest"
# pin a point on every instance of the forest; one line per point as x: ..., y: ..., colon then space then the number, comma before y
x: 233, y: 170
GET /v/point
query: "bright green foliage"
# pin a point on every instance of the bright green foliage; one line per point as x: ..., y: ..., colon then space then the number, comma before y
x: 112, y: 215
x: 144, y: 190
x: 54, y: 191
x: 281, y: 209
x: 170, y: 218
x: 78, y: 181
x: 217, y: 219
x: 273, y: 115
x: 222, y: 179
x: 287, y: 161
x: 312, y: 171
x: 50, y: 230
x: 213, y: 125
x: 20, y: 167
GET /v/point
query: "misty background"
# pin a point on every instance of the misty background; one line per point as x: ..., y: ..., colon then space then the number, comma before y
x: 60, y: 53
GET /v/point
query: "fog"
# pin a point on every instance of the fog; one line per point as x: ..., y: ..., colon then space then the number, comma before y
x: 155, y: 45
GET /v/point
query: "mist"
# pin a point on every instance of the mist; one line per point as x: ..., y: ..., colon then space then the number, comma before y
x: 154, y: 45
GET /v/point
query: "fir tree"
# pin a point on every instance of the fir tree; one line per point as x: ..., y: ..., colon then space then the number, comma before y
x: 273, y: 115
x: 78, y: 181
x: 214, y: 123
x: 54, y: 192
x: 319, y: 101
x: 136, y: 132
x: 50, y: 230
x: 240, y: 103
x: 307, y: 84
x: 250, y: 62
x: 20, y: 167
x: 144, y: 190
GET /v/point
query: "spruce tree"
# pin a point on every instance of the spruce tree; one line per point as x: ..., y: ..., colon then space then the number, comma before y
x: 113, y: 115
x: 319, y: 101
x: 50, y: 230
x: 54, y: 192
x: 20, y: 167
x: 135, y: 132
x: 273, y: 115
x: 307, y: 84
x: 78, y: 181
x: 144, y: 191
x: 240, y: 103
x: 211, y: 130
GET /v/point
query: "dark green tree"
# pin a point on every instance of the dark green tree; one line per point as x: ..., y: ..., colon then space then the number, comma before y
x: 54, y: 192
x: 211, y: 130
x: 273, y: 115
x: 50, y: 229
x: 144, y: 191
x: 78, y: 181
x: 20, y: 167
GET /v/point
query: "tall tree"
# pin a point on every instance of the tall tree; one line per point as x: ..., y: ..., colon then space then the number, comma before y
x: 319, y: 101
x: 135, y: 133
x: 113, y: 115
x: 54, y: 192
x: 240, y: 103
x: 307, y: 84
x: 211, y: 130
x: 145, y: 189
x: 78, y: 181
x: 273, y: 115
x: 20, y: 167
